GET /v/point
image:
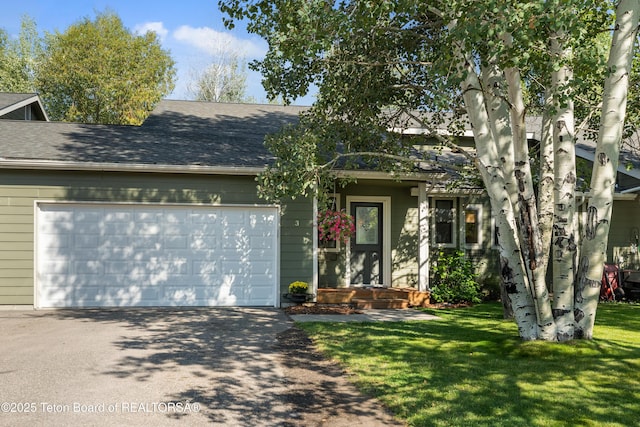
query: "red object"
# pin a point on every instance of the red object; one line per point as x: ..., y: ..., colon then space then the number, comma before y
x: 610, y: 282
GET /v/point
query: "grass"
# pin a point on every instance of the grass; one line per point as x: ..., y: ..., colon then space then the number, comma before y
x: 470, y: 369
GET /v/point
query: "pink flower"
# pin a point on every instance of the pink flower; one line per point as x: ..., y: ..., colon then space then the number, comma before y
x: 335, y: 225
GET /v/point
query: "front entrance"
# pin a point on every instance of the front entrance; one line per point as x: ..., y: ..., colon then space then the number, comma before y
x: 367, y: 245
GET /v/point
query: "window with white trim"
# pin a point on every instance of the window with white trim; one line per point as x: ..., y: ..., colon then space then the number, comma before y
x: 444, y: 223
x: 473, y: 225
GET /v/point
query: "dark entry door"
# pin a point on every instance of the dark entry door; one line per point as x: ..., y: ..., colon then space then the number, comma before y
x: 366, y: 245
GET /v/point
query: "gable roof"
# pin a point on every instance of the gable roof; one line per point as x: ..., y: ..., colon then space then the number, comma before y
x: 11, y: 103
x: 178, y: 135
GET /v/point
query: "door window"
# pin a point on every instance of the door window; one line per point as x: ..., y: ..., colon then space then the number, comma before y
x: 367, y: 225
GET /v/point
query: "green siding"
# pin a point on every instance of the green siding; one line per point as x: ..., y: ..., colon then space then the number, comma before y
x: 20, y: 189
x: 404, y: 234
x: 296, y: 248
x: 625, y: 226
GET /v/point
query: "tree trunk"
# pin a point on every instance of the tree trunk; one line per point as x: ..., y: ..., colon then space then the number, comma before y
x: 512, y: 268
x: 498, y: 114
x: 564, y: 238
x: 614, y: 104
x: 545, y: 187
x: 527, y: 219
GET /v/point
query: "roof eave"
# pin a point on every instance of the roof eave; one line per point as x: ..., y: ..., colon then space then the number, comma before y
x: 380, y: 175
x: 128, y: 167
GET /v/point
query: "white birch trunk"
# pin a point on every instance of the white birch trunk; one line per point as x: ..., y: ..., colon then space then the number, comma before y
x: 499, y: 120
x: 527, y: 219
x: 614, y: 104
x: 546, y: 184
x: 513, y: 271
x: 564, y: 237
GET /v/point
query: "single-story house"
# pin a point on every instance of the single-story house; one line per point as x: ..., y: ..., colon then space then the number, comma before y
x: 168, y: 214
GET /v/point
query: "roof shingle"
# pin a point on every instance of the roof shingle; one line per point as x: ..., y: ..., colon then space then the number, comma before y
x: 176, y: 133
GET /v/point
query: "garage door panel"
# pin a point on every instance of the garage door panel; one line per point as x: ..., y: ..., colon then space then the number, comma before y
x: 87, y: 268
x: 112, y: 255
x: 176, y: 242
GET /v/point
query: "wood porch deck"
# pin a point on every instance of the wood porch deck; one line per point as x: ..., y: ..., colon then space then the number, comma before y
x: 374, y: 297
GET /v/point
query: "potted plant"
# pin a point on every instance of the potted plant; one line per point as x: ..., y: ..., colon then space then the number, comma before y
x: 298, y: 291
x: 335, y: 225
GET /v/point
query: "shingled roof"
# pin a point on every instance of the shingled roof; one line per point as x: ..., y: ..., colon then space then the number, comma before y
x: 177, y: 133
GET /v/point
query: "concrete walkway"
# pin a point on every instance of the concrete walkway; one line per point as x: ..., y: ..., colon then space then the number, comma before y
x: 367, y: 316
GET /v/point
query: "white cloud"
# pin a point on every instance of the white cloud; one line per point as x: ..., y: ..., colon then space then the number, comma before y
x: 216, y: 42
x: 157, y: 27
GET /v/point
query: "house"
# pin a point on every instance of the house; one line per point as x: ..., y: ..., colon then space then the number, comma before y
x: 168, y: 214
x: 21, y: 106
x: 624, y: 232
x: 162, y: 214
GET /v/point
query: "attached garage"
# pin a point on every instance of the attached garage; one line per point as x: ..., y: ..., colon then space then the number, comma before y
x: 166, y: 214
x: 130, y: 255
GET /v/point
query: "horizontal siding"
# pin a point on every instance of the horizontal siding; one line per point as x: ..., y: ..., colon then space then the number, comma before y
x: 22, y: 283
x: 18, y: 273
x: 20, y: 189
x: 17, y: 219
x: 19, y: 206
x: 16, y: 228
x: 296, y: 247
x: 18, y: 252
x: 625, y: 225
x: 16, y: 263
x: 17, y: 242
x: 17, y: 299
x: 18, y: 291
x: 18, y: 192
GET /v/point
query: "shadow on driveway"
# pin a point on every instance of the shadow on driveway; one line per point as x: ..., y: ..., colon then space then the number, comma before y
x: 163, y: 367
x: 144, y: 363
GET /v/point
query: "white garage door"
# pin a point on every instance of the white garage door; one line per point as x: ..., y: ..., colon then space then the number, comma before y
x: 94, y: 255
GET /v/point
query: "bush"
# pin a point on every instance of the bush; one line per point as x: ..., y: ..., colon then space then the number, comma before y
x: 454, y: 279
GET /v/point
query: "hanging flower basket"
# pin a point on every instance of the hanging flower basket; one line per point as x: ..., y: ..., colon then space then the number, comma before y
x: 335, y: 226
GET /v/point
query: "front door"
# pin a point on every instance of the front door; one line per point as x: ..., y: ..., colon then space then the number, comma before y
x: 366, y: 245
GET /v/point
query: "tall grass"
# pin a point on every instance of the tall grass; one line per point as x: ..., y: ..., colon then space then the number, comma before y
x: 470, y: 369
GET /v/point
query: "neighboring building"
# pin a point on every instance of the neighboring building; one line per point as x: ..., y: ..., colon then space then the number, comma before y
x: 167, y: 214
x: 21, y: 106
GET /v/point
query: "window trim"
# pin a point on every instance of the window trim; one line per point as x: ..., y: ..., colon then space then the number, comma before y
x: 463, y: 220
x: 454, y: 225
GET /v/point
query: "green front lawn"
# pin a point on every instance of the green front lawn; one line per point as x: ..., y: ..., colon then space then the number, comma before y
x: 470, y: 369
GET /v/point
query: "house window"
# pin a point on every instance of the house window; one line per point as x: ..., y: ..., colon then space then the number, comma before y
x: 444, y: 214
x: 473, y: 225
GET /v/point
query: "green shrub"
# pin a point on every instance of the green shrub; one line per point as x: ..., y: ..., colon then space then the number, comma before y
x: 454, y: 279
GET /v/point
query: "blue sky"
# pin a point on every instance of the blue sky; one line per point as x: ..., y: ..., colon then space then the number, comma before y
x: 191, y: 30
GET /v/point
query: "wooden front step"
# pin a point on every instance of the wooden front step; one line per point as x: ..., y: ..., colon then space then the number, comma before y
x: 380, y: 303
x: 413, y: 297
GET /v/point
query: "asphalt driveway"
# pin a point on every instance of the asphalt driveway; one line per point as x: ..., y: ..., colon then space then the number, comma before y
x: 151, y: 367
x: 142, y: 367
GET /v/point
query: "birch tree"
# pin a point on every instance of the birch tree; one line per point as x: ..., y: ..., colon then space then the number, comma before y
x: 380, y: 65
x: 223, y: 80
